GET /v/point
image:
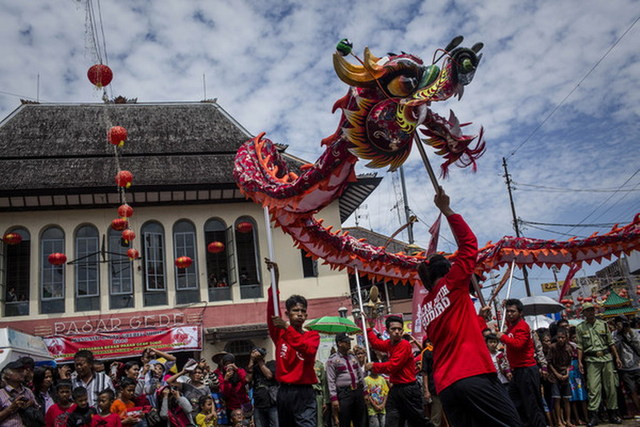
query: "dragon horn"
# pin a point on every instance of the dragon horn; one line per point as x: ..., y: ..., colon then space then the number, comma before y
x: 358, y: 75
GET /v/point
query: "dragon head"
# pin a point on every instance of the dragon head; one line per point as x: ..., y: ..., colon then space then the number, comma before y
x: 397, y: 91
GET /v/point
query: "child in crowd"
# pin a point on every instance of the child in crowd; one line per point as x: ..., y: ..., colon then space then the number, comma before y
x: 125, y: 406
x: 577, y: 383
x: 499, y: 360
x: 207, y: 415
x: 376, y: 391
x: 154, y: 381
x: 104, y: 417
x: 238, y: 420
x: 81, y: 414
x: 57, y: 414
x: 559, y: 358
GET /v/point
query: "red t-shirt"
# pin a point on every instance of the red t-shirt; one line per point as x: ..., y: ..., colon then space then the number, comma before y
x: 295, y: 351
x: 235, y: 395
x: 519, y: 345
x: 459, y: 349
x: 111, y: 420
x: 401, y: 366
x: 56, y: 416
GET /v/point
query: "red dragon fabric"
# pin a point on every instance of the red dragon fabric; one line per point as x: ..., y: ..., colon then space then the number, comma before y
x: 388, y: 100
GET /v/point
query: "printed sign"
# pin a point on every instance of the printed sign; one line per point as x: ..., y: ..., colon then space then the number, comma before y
x: 113, y: 345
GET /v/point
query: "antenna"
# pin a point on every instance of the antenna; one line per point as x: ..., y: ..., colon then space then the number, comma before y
x: 38, y: 88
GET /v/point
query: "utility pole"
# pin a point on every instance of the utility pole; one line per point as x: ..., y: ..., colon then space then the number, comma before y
x: 507, y: 179
x: 407, y: 211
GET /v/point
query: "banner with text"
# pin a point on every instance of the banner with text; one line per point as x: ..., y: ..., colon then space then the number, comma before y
x: 113, y: 345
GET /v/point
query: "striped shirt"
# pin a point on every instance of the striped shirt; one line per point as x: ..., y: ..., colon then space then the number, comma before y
x: 98, y: 382
x: 7, y: 395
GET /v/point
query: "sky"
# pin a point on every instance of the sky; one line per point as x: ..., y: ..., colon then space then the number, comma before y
x: 556, y: 91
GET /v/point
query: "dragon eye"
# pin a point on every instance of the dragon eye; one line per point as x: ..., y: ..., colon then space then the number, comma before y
x: 402, y: 85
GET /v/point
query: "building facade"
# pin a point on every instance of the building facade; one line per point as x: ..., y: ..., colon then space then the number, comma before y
x: 57, y: 192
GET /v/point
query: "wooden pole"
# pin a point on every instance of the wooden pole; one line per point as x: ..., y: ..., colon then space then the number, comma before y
x: 274, y: 290
x: 434, y: 181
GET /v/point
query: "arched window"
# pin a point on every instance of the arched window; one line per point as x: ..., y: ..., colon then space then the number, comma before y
x: 51, y: 276
x: 248, y: 258
x: 184, y: 244
x: 17, y: 264
x: 153, y: 249
x: 87, y: 247
x: 120, y: 272
x: 220, y: 266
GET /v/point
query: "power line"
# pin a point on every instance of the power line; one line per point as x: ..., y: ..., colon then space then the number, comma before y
x: 574, y: 89
x: 608, y: 198
x: 565, y: 189
x: 555, y: 232
x: 602, y: 225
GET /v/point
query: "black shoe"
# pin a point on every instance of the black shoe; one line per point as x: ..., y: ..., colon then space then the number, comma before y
x: 614, y: 418
x: 593, y: 419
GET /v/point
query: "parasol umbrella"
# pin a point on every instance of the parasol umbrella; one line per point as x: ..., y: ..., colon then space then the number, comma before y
x: 333, y: 325
x: 537, y: 305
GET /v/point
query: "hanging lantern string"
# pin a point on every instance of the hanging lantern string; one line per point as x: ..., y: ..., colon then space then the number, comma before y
x: 96, y: 38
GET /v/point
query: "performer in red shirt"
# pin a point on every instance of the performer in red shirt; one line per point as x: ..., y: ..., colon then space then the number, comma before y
x: 524, y: 388
x: 464, y: 374
x: 295, y: 358
x: 405, y: 397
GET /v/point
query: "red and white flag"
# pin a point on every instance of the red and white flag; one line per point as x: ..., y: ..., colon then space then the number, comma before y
x: 573, y: 269
x: 419, y: 292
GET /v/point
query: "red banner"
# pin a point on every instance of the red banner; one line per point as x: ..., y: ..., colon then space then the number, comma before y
x: 130, y: 343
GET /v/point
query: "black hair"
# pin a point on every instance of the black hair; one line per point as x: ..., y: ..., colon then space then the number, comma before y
x: 563, y: 331
x: 515, y: 302
x: 79, y: 392
x: 131, y: 364
x: 27, y: 362
x: 295, y: 299
x: 562, y: 321
x: 393, y: 319
x: 38, y: 376
x: 84, y: 354
x: 203, y: 399
x: 63, y: 384
x: 108, y: 391
x: 126, y: 382
x: 491, y: 336
x: 433, y: 269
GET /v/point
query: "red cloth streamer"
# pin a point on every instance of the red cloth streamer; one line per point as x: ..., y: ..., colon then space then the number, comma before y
x: 434, y: 230
x: 573, y: 269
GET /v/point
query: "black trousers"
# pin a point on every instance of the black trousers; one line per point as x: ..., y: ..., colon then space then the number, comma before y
x: 524, y: 390
x: 480, y: 400
x: 404, y: 404
x: 352, y: 407
x: 297, y: 406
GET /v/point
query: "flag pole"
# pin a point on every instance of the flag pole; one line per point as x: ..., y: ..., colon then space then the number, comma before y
x: 362, y: 315
x: 434, y: 182
x: 274, y: 290
x: 504, y: 309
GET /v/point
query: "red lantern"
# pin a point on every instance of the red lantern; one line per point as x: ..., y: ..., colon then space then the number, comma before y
x: 244, y: 227
x: 133, y: 254
x: 57, y: 258
x: 215, y: 247
x: 12, y: 238
x: 580, y: 299
x: 128, y: 235
x: 588, y: 299
x: 117, y: 135
x: 638, y: 292
x: 100, y: 75
x: 119, y: 224
x: 125, y: 211
x: 184, y: 262
x: 124, y: 179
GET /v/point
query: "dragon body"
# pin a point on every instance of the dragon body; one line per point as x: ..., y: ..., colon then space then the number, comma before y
x: 388, y: 100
